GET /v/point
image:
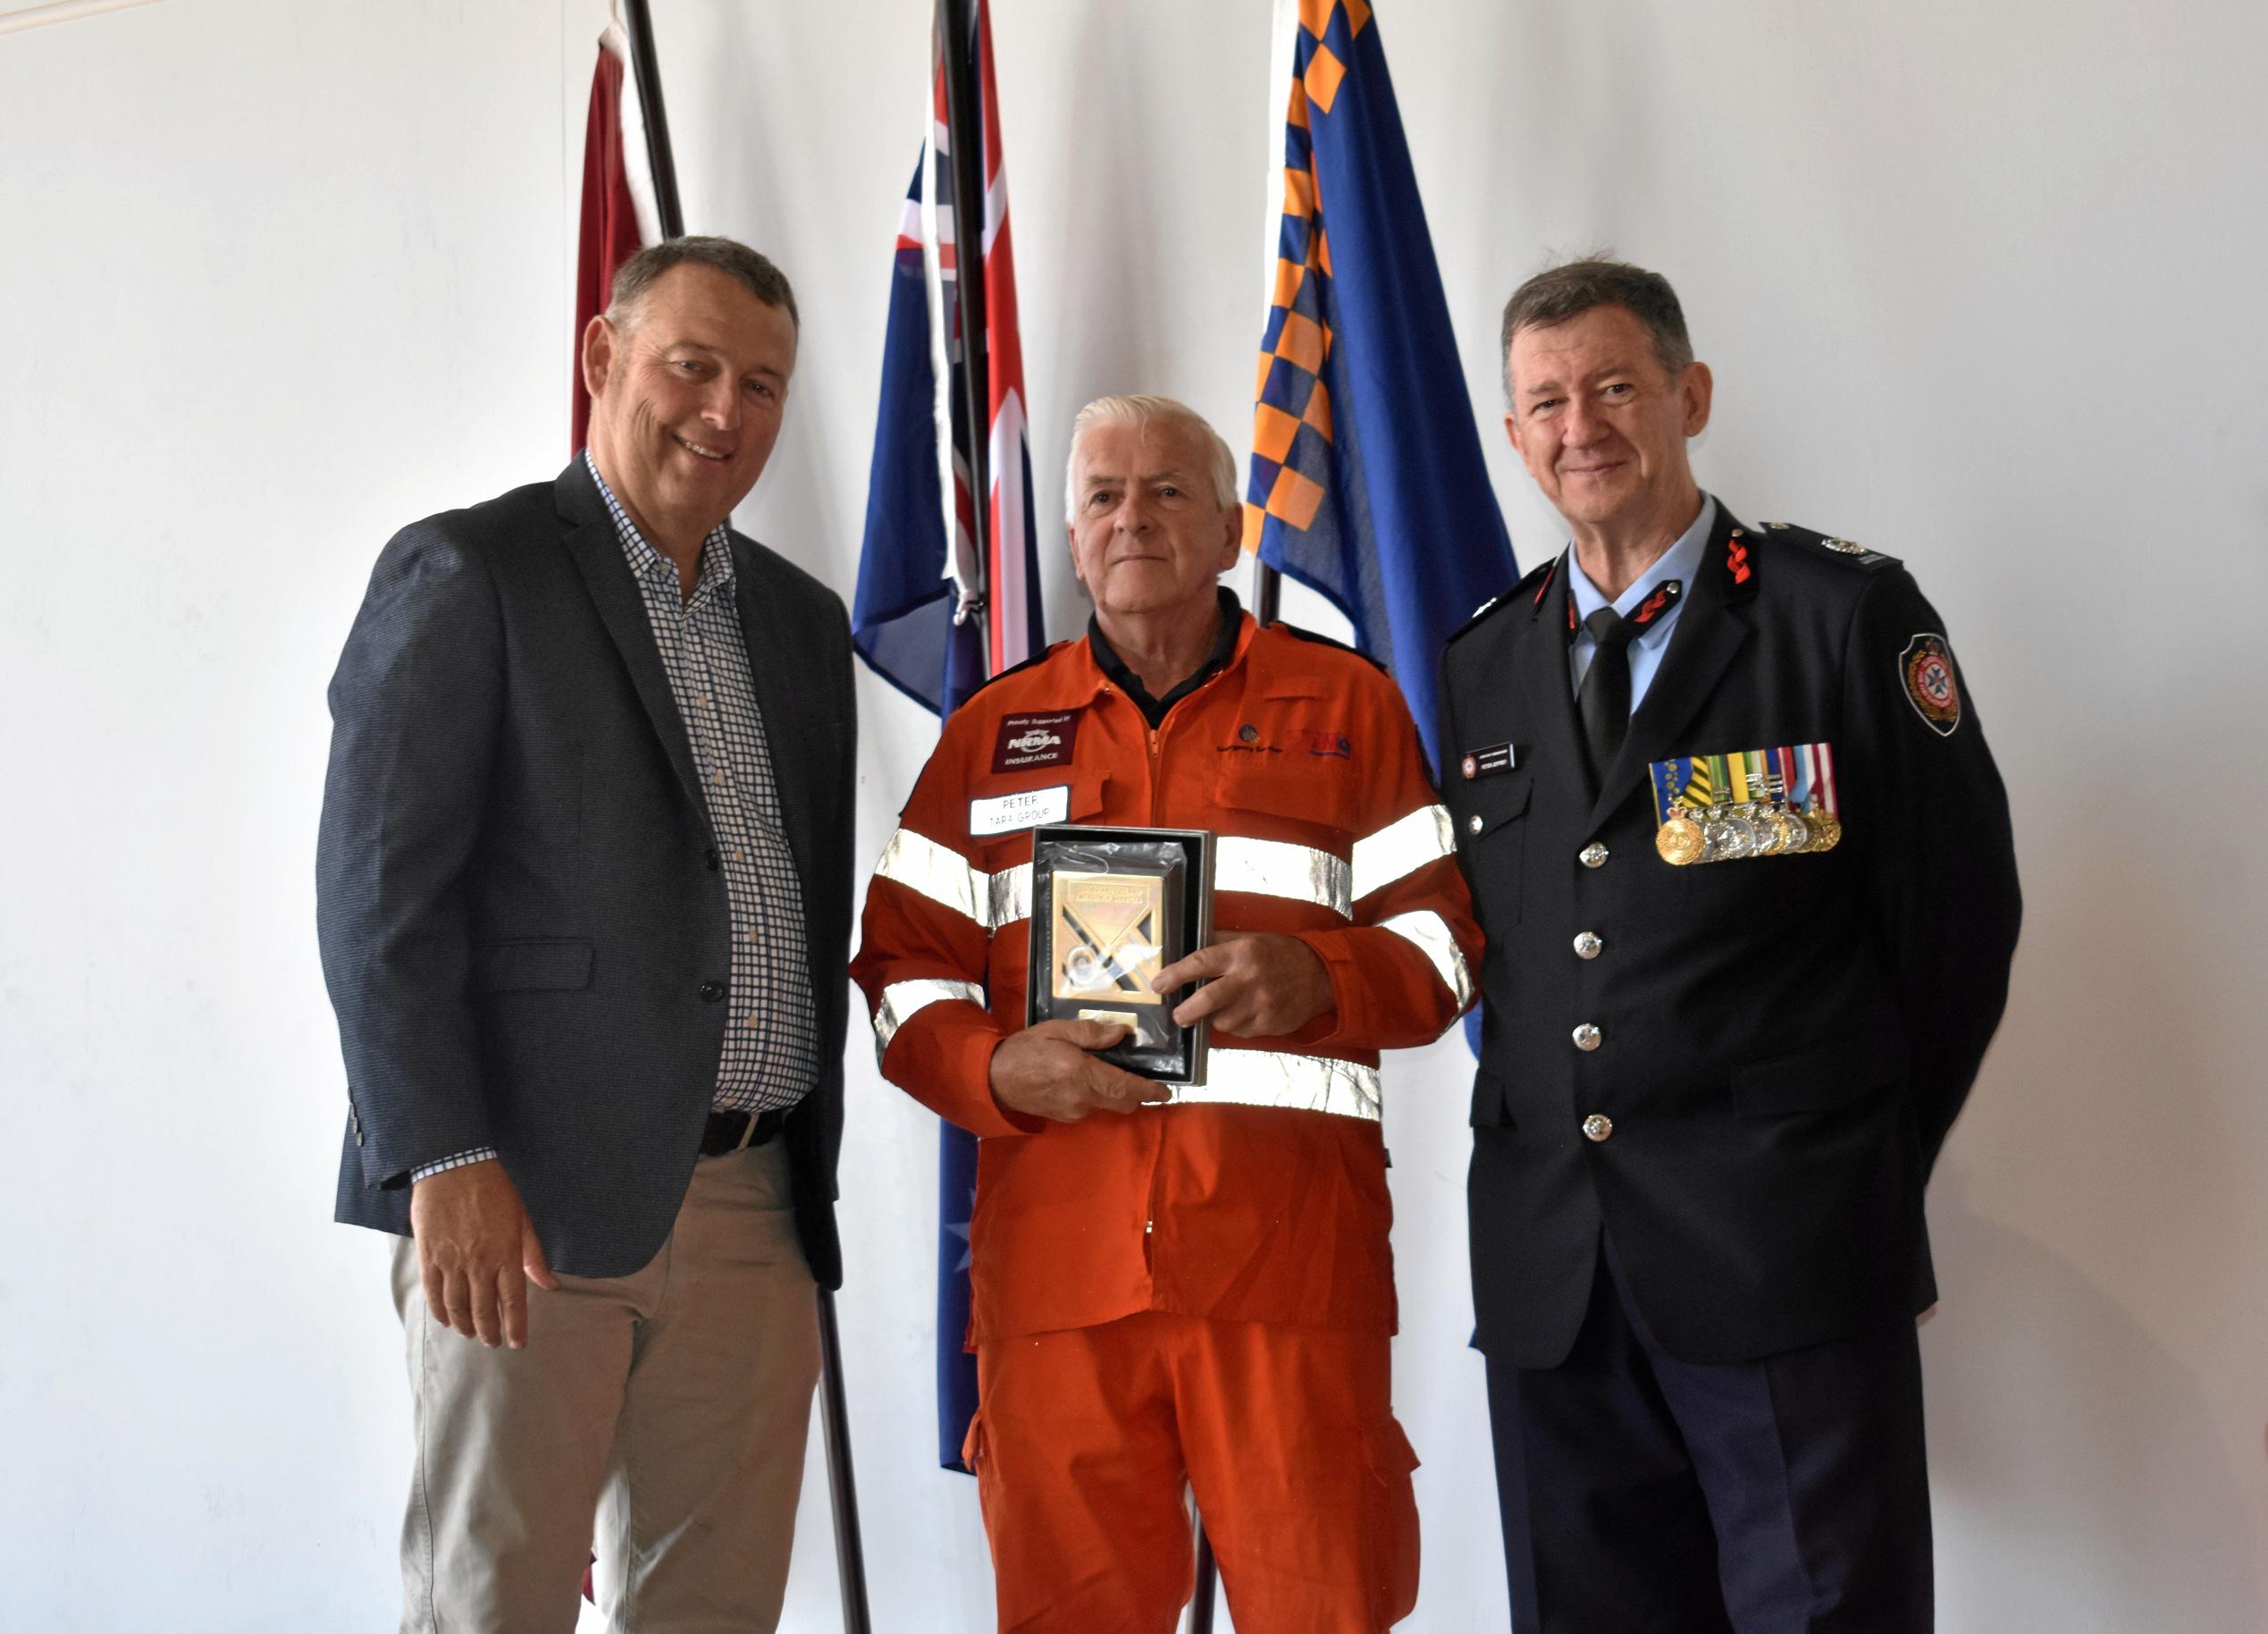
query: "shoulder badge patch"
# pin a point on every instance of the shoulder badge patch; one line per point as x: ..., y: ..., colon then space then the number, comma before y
x: 1850, y: 550
x: 1926, y: 669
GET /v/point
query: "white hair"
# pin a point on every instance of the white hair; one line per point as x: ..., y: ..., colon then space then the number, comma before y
x: 1140, y: 409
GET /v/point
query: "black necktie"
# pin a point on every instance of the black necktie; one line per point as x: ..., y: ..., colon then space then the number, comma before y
x: 1604, y: 700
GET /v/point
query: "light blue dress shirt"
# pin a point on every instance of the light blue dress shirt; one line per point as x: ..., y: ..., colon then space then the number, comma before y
x: 1680, y: 562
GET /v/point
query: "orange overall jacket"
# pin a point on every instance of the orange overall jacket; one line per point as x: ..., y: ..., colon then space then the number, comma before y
x: 1260, y: 1196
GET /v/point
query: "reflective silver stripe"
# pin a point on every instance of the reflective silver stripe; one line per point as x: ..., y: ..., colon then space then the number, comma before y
x: 919, y: 863
x: 901, y: 1000
x: 1271, y: 868
x: 1429, y: 933
x: 1402, y: 846
x: 1007, y: 896
x: 1270, y: 1078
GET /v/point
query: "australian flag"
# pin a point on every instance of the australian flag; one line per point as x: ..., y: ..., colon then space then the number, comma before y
x: 936, y: 612
x: 1368, y: 483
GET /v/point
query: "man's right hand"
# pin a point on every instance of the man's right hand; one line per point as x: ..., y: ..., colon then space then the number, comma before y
x: 477, y: 1252
x: 1045, y: 1071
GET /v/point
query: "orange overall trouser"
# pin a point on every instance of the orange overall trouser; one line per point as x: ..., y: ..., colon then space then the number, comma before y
x: 1086, y: 1438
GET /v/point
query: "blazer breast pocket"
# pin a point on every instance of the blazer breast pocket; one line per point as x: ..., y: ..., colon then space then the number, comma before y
x: 1492, y: 837
x: 533, y: 964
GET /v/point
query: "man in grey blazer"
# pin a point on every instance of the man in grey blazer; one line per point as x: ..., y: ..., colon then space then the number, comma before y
x: 583, y: 895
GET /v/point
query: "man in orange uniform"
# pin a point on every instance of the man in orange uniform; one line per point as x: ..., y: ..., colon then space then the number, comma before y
x: 1181, y: 1287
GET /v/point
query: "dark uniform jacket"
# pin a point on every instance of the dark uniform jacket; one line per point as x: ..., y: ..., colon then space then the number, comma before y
x: 524, y: 922
x: 1783, y: 1043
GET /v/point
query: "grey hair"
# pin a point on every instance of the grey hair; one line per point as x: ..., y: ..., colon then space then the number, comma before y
x: 1133, y: 408
x: 1574, y: 287
x: 636, y: 277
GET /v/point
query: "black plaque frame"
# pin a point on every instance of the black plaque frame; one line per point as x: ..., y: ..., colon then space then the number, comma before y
x: 1182, y: 859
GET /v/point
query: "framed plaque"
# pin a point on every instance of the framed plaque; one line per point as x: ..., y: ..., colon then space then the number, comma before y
x: 1109, y: 908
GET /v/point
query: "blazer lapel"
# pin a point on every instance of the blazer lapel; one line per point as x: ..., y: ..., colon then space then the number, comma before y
x: 1712, y: 628
x: 596, y: 550
x: 1543, y: 663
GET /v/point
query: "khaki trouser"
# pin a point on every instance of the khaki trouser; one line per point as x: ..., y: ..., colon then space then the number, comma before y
x: 664, y: 1413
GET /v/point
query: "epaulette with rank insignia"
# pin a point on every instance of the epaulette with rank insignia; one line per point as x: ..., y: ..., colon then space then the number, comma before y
x: 1526, y: 587
x: 1846, y: 550
x: 1325, y: 641
x: 1040, y: 657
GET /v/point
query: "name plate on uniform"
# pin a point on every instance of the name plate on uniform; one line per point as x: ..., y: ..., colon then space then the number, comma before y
x: 1111, y: 907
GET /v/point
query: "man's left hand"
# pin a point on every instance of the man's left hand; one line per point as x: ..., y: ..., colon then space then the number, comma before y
x: 1258, y: 986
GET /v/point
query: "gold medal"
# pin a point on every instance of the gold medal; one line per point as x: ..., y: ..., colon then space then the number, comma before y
x: 1795, y: 834
x: 1679, y: 840
x: 1826, y: 827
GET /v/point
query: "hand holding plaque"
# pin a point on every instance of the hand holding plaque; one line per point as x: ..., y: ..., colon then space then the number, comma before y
x: 1112, y: 907
x: 1258, y: 984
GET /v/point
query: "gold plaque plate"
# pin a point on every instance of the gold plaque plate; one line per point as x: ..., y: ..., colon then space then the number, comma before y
x: 1107, y: 932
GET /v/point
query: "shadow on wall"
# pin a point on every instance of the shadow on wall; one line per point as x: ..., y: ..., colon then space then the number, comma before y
x: 2079, y: 1484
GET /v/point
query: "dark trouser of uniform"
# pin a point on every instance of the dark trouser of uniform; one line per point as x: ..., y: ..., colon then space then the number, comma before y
x: 1642, y: 1494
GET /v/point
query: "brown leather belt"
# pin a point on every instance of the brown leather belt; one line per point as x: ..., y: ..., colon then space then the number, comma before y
x: 731, y: 1131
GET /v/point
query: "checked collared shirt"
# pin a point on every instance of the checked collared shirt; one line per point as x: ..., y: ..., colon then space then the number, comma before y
x: 770, y: 1056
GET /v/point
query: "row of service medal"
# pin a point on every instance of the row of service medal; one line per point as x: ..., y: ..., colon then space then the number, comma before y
x: 1751, y: 803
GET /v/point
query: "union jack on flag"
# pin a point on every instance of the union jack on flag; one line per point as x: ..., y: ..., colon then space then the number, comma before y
x: 933, y: 615
x: 1366, y: 482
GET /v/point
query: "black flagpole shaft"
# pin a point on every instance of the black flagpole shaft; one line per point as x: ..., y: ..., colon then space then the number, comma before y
x: 841, y: 1485
x: 1201, y: 1604
x: 1267, y: 590
x: 849, y: 1550
x: 964, y: 134
x: 660, y: 159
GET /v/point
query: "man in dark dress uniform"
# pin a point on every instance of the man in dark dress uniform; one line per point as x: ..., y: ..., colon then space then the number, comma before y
x: 1744, y: 866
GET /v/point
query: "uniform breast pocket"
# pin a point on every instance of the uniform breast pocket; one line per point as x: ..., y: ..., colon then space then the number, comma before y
x: 1492, y: 837
x: 1315, y: 793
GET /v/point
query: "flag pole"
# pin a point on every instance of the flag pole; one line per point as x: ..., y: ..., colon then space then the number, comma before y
x: 965, y: 135
x: 1267, y: 590
x: 1201, y: 1603
x: 660, y: 159
x: 841, y: 1485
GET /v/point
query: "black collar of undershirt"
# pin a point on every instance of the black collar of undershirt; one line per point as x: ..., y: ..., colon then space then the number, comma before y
x: 1225, y: 647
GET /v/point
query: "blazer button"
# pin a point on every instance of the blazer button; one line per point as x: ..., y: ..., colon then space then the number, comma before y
x: 709, y: 861
x: 711, y: 991
x: 1598, y: 1126
x: 1586, y: 1037
x: 1592, y: 855
x: 1473, y: 822
x: 1587, y: 945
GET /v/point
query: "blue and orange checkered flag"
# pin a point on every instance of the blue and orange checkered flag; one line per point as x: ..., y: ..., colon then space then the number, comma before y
x: 1368, y: 483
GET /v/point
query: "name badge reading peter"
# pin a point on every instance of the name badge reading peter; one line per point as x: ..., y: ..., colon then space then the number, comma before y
x: 1026, y: 808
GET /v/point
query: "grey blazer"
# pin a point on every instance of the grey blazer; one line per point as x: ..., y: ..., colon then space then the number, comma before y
x: 522, y: 916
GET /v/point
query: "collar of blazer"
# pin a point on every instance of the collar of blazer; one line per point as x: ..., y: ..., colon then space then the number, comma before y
x: 596, y: 550
x: 1713, y: 626
x: 588, y: 536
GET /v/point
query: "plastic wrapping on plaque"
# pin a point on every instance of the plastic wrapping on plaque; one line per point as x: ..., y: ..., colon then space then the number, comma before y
x: 1109, y: 908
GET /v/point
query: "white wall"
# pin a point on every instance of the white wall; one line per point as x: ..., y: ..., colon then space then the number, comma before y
x: 1980, y: 286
